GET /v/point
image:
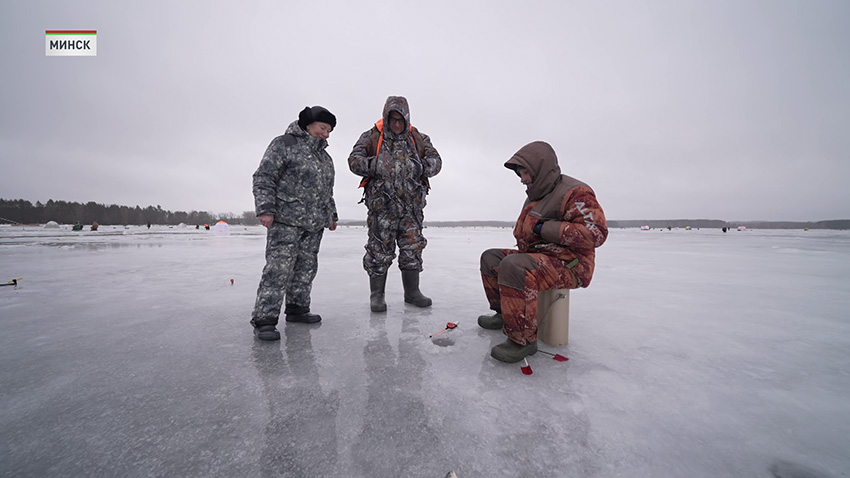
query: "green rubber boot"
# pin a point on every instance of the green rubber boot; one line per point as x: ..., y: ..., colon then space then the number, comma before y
x: 512, y: 352
x: 377, y: 286
x: 491, y: 322
x: 412, y: 295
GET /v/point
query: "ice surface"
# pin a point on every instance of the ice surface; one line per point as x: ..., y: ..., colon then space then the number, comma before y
x: 127, y: 352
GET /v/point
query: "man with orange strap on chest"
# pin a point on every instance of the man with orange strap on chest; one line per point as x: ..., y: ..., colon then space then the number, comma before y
x: 395, y: 160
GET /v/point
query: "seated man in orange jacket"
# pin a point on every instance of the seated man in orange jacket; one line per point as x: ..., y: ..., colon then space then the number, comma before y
x: 558, y: 230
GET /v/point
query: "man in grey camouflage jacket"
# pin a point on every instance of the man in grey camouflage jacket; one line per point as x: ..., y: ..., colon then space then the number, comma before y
x: 293, y: 198
x: 395, y: 160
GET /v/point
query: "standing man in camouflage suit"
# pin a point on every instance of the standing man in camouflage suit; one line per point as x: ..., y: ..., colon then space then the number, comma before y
x: 395, y: 160
x: 557, y: 233
x: 293, y: 198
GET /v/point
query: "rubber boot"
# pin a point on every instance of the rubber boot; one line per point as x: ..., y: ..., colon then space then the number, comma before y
x: 512, y: 352
x: 491, y: 322
x: 410, y: 281
x: 378, y: 285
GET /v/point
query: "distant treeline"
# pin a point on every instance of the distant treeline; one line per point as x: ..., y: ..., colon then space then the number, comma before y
x: 718, y: 224
x: 19, y: 211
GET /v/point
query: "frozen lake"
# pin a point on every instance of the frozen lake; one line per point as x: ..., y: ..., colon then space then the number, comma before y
x: 127, y: 352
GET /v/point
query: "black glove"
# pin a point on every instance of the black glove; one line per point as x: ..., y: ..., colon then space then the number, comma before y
x: 538, y: 228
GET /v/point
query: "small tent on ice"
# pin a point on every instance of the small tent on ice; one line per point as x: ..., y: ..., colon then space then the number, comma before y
x: 51, y: 225
x: 221, y: 228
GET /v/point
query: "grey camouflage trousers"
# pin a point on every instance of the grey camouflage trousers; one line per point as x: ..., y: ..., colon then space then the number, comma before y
x: 291, y: 265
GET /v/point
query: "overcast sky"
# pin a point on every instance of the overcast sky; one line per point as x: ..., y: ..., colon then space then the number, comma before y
x: 735, y: 110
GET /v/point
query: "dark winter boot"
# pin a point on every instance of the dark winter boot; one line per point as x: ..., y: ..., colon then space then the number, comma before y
x: 410, y: 280
x: 307, y: 318
x: 378, y: 285
x: 512, y: 352
x: 265, y: 331
x: 491, y: 322
x: 298, y: 314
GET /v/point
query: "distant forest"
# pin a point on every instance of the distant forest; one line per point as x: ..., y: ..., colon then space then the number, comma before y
x: 20, y: 211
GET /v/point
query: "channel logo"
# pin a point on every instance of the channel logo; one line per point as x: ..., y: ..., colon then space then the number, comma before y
x: 70, y: 42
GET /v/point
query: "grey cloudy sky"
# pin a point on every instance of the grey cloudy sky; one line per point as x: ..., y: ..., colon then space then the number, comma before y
x: 735, y: 110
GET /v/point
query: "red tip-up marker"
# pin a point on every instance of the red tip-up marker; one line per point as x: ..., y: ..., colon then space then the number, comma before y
x: 526, y: 369
x: 558, y: 357
x: 449, y: 326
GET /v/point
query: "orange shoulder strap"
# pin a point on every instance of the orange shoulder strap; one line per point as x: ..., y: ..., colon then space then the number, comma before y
x: 380, y: 126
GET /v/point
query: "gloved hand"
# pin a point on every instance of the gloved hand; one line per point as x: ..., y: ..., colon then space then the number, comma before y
x: 538, y: 228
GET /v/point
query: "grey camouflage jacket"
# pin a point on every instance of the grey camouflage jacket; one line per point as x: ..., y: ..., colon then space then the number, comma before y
x: 295, y: 181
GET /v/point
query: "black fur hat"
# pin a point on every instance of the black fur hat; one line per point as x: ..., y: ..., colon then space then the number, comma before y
x: 316, y: 113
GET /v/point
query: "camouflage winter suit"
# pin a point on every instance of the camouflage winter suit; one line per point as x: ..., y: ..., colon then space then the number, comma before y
x: 294, y: 182
x: 562, y: 256
x: 396, y: 189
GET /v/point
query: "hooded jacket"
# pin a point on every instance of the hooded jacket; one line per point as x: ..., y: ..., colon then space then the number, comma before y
x: 573, y: 221
x: 295, y: 181
x: 399, y: 171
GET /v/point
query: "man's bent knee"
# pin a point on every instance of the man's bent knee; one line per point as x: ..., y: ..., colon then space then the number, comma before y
x: 512, y: 270
x: 490, y: 259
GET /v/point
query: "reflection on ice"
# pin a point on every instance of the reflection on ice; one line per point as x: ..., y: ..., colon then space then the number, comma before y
x: 127, y: 351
